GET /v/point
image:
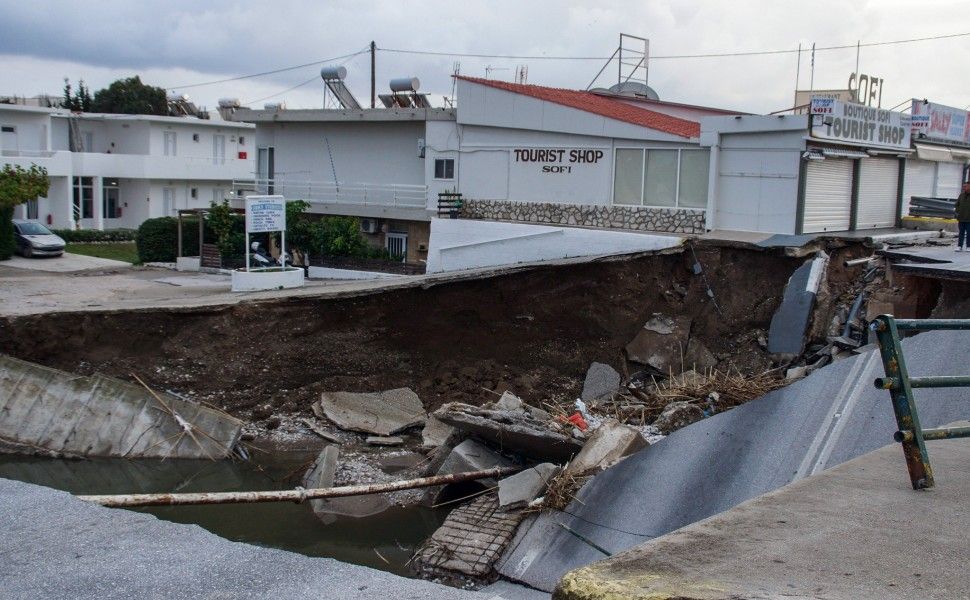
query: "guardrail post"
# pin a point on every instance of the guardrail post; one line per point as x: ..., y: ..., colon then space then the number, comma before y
x: 904, y: 406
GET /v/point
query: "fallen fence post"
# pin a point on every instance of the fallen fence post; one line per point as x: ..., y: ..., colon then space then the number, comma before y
x: 298, y: 495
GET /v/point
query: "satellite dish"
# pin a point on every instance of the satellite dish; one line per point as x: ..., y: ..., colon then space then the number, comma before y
x: 634, y: 89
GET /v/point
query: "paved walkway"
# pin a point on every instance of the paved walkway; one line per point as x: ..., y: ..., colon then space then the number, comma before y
x: 66, y: 263
x: 855, y: 531
x: 55, y: 546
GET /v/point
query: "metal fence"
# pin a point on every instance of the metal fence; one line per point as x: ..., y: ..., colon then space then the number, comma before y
x: 360, y: 194
x: 900, y: 385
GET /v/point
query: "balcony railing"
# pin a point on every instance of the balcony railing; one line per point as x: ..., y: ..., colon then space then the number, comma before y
x: 360, y: 194
x: 27, y: 153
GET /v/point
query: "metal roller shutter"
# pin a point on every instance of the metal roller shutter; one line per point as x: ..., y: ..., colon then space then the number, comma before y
x: 878, y: 185
x: 828, y: 195
x: 920, y: 180
x: 948, y: 178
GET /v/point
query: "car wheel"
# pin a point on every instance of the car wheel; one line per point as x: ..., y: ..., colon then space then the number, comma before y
x: 28, y: 251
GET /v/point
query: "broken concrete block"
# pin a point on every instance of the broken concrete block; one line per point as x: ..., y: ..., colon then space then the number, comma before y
x: 508, y: 401
x: 510, y: 431
x: 470, y: 455
x: 697, y: 357
x: 383, y: 413
x: 601, y: 380
x: 661, y: 343
x: 537, y: 413
x: 385, y: 441
x: 676, y: 415
x: 796, y: 372
x: 436, y: 433
x: 524, y: 487
x: 610, y: 442
x: 321, y: 475
x: 786, y: 335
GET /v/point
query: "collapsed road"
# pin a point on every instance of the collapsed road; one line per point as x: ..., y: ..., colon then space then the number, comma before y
x: 831, y: 416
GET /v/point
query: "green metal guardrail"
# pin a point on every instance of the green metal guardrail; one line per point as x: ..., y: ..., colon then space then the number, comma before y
x: 901, y: 385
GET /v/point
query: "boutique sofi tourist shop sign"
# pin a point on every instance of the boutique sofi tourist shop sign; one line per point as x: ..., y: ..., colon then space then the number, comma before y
x: 858, y: 125
x: 265, y: 214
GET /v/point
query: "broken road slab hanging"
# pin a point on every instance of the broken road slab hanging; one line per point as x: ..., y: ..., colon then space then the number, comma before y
x: 786, y: 336
x: 382, y: 413
x: 510, y: 431
x: 661, y: 343
x: 46, y: 411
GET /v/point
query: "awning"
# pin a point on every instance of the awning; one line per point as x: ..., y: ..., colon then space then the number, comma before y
x: 960, y: 155
x: 936, y: 153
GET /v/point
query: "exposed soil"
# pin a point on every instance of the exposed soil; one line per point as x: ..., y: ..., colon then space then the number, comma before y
x: 533, y: 331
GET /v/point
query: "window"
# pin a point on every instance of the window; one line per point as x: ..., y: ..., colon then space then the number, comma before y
x: 194, y: 192
x: 84, y: 197
x: 169, y: 138
x: 242, y: 140
x: 661, y: 177
x: 8, y: 129
x: 444, y: 168
x: 32, y: 209
x: 110, y: 201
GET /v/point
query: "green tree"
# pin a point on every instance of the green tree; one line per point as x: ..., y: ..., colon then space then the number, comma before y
x: 17, y: 185
x: 130, y: 97
x: 221, y: 220
x: 80, y: 100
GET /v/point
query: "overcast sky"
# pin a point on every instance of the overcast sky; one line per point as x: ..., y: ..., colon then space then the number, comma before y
x: 177, y: 43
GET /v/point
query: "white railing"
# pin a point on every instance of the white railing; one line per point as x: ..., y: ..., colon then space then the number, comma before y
x: 361, y: 194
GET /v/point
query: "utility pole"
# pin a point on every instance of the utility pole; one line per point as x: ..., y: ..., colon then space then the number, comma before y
x: 373, y: 77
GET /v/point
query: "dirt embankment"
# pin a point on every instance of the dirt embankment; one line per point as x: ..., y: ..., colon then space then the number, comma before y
x: 533, y: 331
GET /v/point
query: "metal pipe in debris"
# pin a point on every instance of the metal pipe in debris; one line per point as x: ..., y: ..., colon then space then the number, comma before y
x: 860, y: 261
x: 298, y: 495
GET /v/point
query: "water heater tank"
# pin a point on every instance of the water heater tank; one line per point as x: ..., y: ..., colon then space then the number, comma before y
x: 405, y: 84
x: 330, y: 73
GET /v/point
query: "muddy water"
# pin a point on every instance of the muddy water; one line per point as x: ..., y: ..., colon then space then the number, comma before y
x: 394, y: 534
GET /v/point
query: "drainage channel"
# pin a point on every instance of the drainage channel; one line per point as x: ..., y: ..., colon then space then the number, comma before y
x: 385, y: 541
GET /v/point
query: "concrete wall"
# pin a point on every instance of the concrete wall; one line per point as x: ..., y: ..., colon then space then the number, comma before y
x: 370, y: 152
x: 31, y: 131
x: 458, y: 244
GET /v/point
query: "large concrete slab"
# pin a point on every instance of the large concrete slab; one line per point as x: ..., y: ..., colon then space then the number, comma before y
x: 855, y: 531
x: 66, y: 263
x: 829, y: 417
x: 939, y: 262
x: 55, y: 546
x: 58, y: 413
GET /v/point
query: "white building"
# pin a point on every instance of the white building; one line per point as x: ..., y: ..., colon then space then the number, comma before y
x: 941, y: 138
x: 114, y: 171
x: 515, y: 152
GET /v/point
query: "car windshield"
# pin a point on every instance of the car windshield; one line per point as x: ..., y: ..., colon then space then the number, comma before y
x: 34, y: 229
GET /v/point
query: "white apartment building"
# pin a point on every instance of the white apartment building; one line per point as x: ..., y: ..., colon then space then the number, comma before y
x: 112, y: 171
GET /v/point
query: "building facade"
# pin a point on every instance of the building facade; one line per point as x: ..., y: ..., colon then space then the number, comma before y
x: 114, y: 171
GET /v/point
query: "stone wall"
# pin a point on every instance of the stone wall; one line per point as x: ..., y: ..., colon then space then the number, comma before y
x: 636, y: 218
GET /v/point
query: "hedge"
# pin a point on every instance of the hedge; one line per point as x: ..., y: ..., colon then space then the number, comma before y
x: 93, y: 235
x: 157, y: 239
x: 7, y: 243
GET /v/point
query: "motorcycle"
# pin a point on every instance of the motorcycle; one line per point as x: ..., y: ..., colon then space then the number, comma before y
x: 259, y: 258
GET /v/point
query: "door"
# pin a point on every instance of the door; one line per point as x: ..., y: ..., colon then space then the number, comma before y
x: 828, y: 195
x: 168, y: 201
x: 878, y: 186
x: 170, y: 140
x: 397, y: 245
x: 218, y: 149
x: 265, y: 170
x: 949, y: 176
x: 9, y: 146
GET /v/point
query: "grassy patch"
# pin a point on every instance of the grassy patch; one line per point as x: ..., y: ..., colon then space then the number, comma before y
x: 124, y: 251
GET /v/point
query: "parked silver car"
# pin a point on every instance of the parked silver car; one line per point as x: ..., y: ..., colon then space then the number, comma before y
x: 33, y: 239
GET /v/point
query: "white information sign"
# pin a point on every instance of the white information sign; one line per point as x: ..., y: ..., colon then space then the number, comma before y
x: 265, y: 213
x: 860, y: 125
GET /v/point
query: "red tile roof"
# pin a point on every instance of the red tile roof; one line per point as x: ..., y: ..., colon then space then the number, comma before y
x: 600, y: 105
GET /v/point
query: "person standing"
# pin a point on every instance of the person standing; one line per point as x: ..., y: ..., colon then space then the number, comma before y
x: 963, y: 216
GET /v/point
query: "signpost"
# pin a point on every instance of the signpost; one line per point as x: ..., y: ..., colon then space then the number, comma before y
x: 266, y: 214
x: 859, y: 125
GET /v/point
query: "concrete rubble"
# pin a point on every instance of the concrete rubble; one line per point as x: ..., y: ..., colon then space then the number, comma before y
x: 611, y: 442
x: 54, y: 413
x: 677, y: 415
x: 321, y: 475
x: 661, y: 343
x: 521, y: 489
x: 470, y: 455
x: 601, y: 380
x: 515, y: 431
x: 385, y: 440
x: 383, y: 413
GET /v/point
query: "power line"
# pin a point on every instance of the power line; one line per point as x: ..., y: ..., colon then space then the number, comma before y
x: 308, y: 81
x: 669, y: 56
x: 274, y: 71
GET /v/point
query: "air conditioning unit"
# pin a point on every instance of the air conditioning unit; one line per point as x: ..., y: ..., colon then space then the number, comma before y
x: 368, y: 226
